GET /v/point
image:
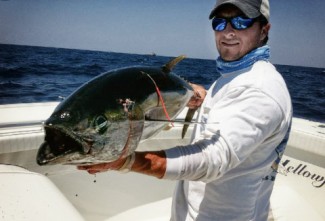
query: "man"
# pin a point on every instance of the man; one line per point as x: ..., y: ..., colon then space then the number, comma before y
x: 228, y: 171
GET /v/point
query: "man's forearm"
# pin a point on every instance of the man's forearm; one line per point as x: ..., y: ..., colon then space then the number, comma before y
x: 150, y: 163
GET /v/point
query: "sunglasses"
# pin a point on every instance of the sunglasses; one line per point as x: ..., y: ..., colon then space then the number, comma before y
x: 238, y: 23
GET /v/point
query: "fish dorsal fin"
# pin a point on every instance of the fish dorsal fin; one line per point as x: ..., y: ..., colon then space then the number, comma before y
x: 171, y: 64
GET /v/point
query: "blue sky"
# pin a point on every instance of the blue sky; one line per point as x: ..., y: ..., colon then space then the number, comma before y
x: 166, y: 27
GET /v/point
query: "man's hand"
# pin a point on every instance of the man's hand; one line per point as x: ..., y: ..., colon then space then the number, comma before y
x: 151, y: 163
x: 103, y: 167
x: 198, y: 97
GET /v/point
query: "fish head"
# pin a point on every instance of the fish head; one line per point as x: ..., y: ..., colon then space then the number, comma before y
x: 90, y: 132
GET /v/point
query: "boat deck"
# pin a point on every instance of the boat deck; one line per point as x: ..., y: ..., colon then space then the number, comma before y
x: 299, y: 192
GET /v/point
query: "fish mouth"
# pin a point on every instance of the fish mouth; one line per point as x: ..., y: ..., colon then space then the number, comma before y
x: 59, y: 144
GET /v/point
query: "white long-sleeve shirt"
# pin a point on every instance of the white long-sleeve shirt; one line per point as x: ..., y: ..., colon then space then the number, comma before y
x: 226, y: 173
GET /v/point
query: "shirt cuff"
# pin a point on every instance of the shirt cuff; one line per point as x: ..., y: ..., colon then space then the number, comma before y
x: 174, y: 163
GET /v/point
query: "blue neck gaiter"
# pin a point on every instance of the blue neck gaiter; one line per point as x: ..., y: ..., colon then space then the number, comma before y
x: 262, y: 53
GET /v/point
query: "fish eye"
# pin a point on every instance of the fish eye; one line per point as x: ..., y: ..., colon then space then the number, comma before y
x: 100, y: 124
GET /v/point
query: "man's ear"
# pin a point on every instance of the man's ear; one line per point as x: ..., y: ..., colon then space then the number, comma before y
x: 265, y: 31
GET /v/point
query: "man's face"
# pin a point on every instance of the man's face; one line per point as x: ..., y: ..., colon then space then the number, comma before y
x: 233, y: 44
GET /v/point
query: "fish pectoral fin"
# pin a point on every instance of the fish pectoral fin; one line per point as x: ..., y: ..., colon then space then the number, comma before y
x: 171, y: 64
x: 189, y: 116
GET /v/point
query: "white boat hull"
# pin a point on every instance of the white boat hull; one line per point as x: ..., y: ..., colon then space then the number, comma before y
x: 298, y: 195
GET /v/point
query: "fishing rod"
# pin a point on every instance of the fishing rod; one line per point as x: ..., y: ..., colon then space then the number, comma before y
x: 180, y: 122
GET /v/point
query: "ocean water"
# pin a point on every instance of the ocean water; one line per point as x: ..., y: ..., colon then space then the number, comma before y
x: 37, y: 74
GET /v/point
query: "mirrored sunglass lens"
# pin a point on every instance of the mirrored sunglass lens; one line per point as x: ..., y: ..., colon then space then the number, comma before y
x: 219, y: 24
x: 241, y: 23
